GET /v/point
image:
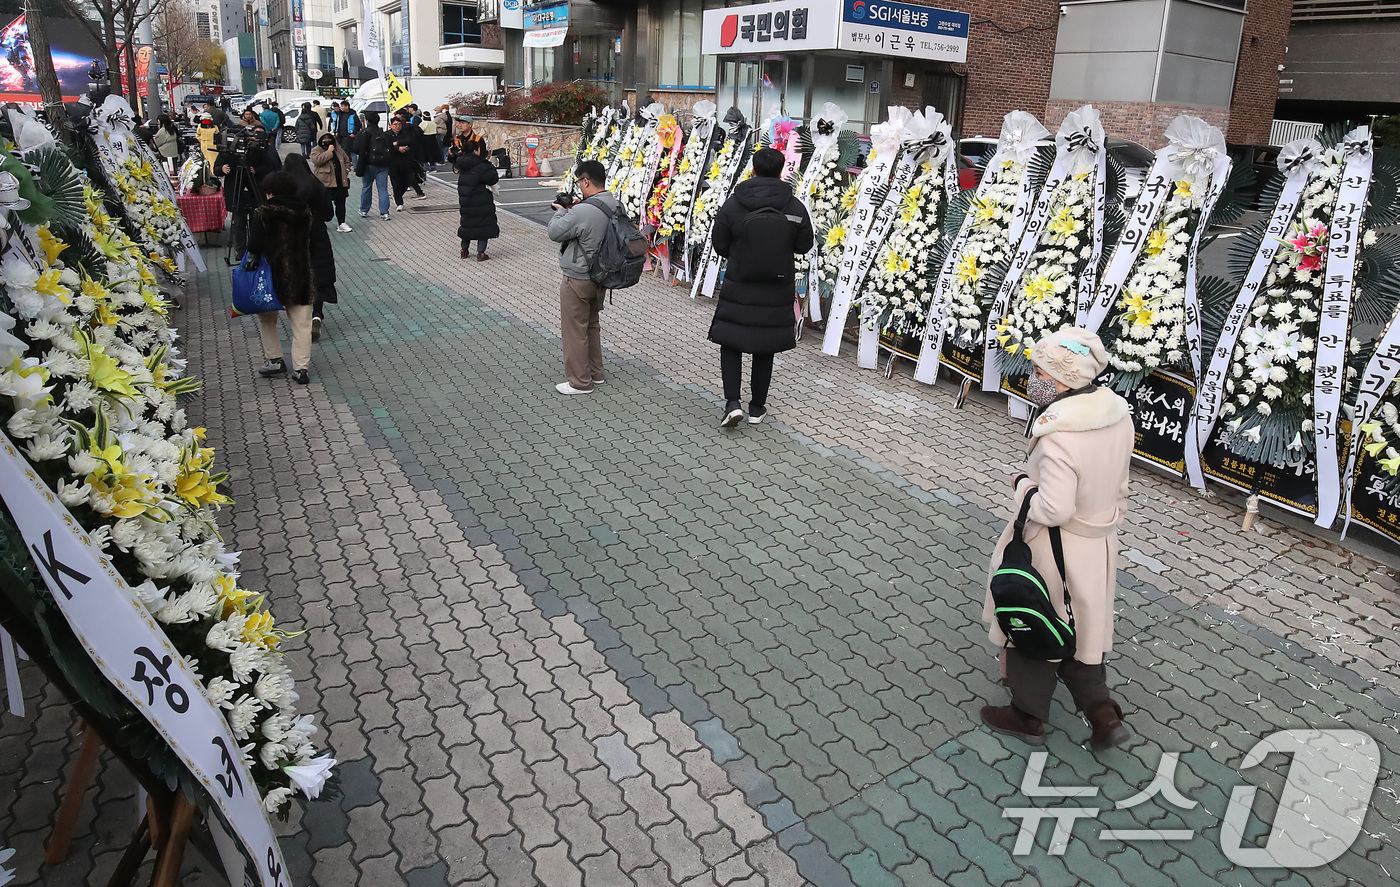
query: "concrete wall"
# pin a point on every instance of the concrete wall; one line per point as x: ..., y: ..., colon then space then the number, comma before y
x: 1351, y: 61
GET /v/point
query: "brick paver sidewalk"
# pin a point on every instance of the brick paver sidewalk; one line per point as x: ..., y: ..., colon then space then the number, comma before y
x: 596, y: 640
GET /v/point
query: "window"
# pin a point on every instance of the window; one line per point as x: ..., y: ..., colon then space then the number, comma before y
x: 678, y: 33
x: 327, y: 54
x: 352, y: 36
x: 398, y: 50
x: 459, y: 24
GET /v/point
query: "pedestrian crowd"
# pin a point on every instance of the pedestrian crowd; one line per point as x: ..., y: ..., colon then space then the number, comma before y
x: 1060, y: 540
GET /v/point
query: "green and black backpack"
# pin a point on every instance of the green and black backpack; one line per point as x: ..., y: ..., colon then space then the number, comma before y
x: 1021, y: 601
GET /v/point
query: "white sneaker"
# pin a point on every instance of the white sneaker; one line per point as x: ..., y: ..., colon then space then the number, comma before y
x: 385, y: 217
x: 344, y: 228
x: 398, y: 207
x: 755, y: 418
x: 566, y: 388
x: 731, y: 418
x: 420, y: 197
x: 364, y: 215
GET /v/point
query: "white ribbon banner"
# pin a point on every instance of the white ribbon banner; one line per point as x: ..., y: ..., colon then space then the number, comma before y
x: 1297, y: 160
x: 1381, y: 371
x: 858, y: 252
x: 1334, y: 323
x: 630, y: 133
x: 710, y: 261
x: 1079, y: 141
x: 699, y: 135
x: 1156, y: 188
x: 935, y: 148
x: 1019, y: 134
x: 820, y: 158
x: 124, y: 641
x: 826, y: 136
x: 1191, y: 304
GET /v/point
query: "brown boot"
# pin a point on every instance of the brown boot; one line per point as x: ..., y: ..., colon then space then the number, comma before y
x: 1013, y: 722
x: 1107, y: 720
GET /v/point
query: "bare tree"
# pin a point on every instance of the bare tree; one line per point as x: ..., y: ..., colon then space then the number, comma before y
x: 176, y: 36
x: 49, y: 91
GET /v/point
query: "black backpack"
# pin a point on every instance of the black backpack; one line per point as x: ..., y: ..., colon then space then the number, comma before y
x: 1021, y: 601
x: 621, y: 256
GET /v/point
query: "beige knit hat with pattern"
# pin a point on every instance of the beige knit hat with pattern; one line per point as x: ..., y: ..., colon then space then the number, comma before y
x: 1072, y: 356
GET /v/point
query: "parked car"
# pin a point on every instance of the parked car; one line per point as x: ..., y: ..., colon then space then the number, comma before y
x: 969, y: 173
x: 289, y: 129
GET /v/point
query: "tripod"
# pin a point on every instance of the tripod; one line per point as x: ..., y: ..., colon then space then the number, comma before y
x: 242, y: 180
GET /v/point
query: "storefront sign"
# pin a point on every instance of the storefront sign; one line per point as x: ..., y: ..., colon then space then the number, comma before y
x: 920, y: 32
x: 546, y: 24
x: 782, y: 26
x: 512, y: 14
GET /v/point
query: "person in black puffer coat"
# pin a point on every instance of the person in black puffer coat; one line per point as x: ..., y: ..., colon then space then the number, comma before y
x: 759, y: 229
x: 317, y: 198
x: 281, y: 233
x: 475, y: 176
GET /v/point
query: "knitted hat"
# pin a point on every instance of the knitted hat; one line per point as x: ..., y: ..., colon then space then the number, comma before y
x: 1072, y: 356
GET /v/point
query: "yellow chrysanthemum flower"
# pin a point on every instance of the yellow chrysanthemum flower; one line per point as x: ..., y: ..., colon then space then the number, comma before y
x: 1183, y: 188
x: 835, y: 236
x: 1138, y: 309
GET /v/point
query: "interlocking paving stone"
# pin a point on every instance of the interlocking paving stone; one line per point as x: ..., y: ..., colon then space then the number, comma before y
x: 504, y: 582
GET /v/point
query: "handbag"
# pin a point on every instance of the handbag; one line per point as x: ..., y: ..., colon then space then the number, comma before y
x: 253, y: 289
x: 1021, y: 601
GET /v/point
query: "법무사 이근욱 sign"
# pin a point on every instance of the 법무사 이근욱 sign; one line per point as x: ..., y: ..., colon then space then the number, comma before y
x: 888, y: 28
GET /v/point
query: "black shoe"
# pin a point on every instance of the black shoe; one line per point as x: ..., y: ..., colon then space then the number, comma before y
x: 275, y: 367
x: 757, y: 414
x: 315, y: 329
x: 301, y: 377
x: 732, y: 415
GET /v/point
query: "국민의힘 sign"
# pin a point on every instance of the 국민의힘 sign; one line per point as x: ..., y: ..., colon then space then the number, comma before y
x: 781, y: 26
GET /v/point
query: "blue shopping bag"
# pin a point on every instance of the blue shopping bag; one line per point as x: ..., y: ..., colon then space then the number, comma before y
x: 253, y: 292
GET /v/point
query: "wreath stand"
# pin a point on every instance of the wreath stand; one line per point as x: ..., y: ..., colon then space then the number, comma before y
x: 165, y: 827
x: 168, y: 824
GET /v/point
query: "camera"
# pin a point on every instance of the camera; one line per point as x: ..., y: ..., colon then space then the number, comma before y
x: 247, y: 144
x: 564, y: 199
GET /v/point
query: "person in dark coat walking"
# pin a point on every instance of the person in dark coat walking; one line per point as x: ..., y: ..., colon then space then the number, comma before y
x: 281, y: 233
x: 759, y: 229
x: 308, y: 125
x: 475, y: 176
x: 403, y: 160
x: 317, y: 198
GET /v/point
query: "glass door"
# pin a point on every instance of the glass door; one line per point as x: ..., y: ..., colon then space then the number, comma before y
x: 773, y: 90
x: 746, y: 90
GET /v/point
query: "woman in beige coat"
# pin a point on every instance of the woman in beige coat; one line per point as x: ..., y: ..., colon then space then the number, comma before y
x: 332, y: 166
x: 1080, y: 450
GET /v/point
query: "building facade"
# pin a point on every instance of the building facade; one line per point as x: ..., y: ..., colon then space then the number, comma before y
x: 1141, y: 62
x: 1342, y: 61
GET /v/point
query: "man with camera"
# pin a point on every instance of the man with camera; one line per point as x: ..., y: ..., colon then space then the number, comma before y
x: 246, y: 157
x: 579, y: 230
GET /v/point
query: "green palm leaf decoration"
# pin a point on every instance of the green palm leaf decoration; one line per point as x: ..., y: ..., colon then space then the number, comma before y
x: 58, y: 180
